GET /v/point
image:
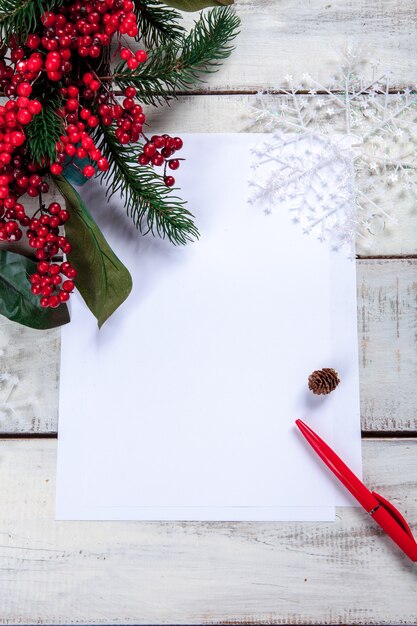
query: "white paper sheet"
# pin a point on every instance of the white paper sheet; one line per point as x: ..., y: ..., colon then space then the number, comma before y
x: 183, y: 405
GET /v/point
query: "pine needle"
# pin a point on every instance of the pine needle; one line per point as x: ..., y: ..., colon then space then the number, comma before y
x: 179, y: 65
x: 157, y: 23
x: 148, y: 201
x: 21, y: 17
x: 46, y: 127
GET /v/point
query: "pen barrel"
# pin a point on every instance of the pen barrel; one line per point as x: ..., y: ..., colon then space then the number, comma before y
x: 407, y: 544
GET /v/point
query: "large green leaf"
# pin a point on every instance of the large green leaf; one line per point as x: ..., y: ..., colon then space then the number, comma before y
x: 102, y: 279
x: 196, y: 5
x: 17, y: 302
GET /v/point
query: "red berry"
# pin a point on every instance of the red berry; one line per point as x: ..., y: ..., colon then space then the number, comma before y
x: 43, y: 267
x: 17, y: 138
x: 169, y: 181
x: 54, y: 302
x: 88, y: 171
x: 103, y: 164
x: 71, y: 272
x: 70, y: 150
x: 56, y: 168
x: 85, y: 114
x: 64, y: 215
x: 94, y: 85
x: 73, y: 91
x: 158, y: 159
x: 71, y: 104
x: 173, y: 164
x: 48, y: 18
x: 149, y: 149
x: 24, y: 89
x: 130, y: 92
x: 54, y: 76
x: 24, y: 116
x: 125, y: 54
x: 93, y: 121
x: 158, y: 141
x: 34, y: 107
x: 34, y: 64
x: 33, y: 41
x: 34, y: 279
x: 141, y: 56
x: 68, y: 285
x: 54, y: 208
x: 132, y: 63
x: 143, y: 159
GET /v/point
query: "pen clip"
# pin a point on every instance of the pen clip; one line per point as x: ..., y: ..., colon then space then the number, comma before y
x: 394, y: 513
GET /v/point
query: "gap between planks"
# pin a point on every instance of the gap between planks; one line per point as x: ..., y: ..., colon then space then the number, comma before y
x: 365, y: 434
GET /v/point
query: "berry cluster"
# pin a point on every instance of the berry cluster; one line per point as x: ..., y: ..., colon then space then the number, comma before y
x: 47, y: 283
x: 65, y: 57
x: 17, y: 175
x: 45, y: 237
x: 129, y: 117
x: 77, y: 143
x: 158, y: 151
x: 133, y: 60
x: 87, y: 27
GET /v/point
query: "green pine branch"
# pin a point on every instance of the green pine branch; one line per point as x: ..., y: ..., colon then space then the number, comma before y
x: 21, y: 17
x: 157, y: 23
x: 46, y: 127
x: 179, y: 65
x: 148, y: 201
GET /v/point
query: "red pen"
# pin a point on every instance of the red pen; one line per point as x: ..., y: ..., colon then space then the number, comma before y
x: 382, y: 511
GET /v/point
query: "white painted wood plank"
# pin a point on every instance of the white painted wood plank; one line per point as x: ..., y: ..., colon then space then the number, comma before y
x: 200, y: 573
x: 387, y: 318
x: 387, y: 322
x: 29, y: 378
x: 287, y: 37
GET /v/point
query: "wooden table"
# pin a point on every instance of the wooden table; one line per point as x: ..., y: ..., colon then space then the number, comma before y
x: 188, y: 573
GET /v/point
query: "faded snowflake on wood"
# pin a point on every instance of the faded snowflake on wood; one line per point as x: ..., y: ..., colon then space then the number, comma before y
x: 377, y: 122
x: 8, y: 383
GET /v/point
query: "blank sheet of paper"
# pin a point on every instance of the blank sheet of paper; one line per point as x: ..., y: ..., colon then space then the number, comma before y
x: 182, y: 407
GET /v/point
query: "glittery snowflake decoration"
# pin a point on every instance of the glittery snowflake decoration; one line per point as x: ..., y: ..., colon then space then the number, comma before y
x: 369, y: 122
x: 312, y: 176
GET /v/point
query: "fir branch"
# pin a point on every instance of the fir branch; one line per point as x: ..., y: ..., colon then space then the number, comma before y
x: 157, y: 23
x: 22, y: 17
x: 147, y: 199
x: 46, y: 127
x: 179, y: 65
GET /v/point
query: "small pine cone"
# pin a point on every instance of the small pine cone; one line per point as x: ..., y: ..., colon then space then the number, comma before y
x: 322, y: 382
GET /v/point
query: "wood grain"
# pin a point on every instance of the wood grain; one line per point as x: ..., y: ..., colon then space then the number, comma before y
x: 200, y: 573
x: 280, y: 37
x: 387, y: 322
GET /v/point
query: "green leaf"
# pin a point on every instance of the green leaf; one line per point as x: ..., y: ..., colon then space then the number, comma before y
x: 196, y: 5
x: 102, y: 279
x: 17, y: 302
